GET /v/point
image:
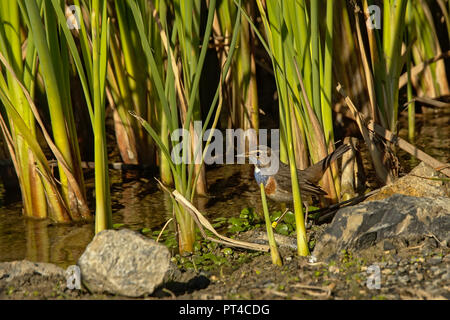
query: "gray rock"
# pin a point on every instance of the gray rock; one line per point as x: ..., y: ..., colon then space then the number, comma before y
x: 415, y: 184
x: 172, y: 274
x: 368, y: 223
x: 125, y: 263
x: 10, y: 271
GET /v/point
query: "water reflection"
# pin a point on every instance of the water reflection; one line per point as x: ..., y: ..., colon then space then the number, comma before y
x: 138, y: 203
x: 433, y: 137
x: 41, y: 241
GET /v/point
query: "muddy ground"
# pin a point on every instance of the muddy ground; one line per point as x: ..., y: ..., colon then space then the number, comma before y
x: 416, y: 270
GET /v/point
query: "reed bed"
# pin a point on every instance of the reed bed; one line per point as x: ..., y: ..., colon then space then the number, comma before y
x: 145, y: 60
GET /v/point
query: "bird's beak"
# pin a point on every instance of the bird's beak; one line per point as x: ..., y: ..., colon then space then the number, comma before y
x: 246, y: 154
x: 252, y: 153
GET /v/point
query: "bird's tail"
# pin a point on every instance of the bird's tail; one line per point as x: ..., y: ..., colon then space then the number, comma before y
x: 315, y: 172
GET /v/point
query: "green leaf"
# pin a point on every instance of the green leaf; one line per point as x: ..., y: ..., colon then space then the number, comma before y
x: 289, y: 218
x: 283, y: 229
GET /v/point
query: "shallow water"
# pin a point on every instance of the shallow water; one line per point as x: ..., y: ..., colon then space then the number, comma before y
x: 433, y: 137
x: 138, y: 203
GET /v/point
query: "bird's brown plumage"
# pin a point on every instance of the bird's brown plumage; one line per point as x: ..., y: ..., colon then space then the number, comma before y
x: 308, y: 179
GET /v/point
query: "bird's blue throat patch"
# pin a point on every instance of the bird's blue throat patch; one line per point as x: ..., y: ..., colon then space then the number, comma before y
x: 259, y: 177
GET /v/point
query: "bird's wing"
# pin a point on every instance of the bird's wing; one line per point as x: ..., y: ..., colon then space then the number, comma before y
x: 315, y: 172
x: 311, y: 188
x: 306, y: 186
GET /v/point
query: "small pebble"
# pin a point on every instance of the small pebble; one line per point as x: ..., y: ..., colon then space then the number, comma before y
x: 387, y: 245
x: 392, y: 265
x: 437, y: 284
x: 334, y: 269
x: 419, y: 276
x: 437, y: 271
x: 435, y: 260
x: 434, y: 269
x: 430, y: 243
x: 403, y: 280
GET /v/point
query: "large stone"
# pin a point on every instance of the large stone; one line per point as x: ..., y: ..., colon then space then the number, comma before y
x: 397, y: 217
x: 422, y: 181
x: 33, y: 280
x: 125, y: 263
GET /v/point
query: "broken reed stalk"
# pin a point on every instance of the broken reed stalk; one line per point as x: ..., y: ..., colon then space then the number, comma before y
x: 383, y: 174
x: 201, y: 222
x: 391, y: 137
x: 404, y: 145
x: 418, y: 69
x: 428, y: 102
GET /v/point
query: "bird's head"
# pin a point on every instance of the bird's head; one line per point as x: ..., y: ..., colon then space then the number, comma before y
x: 266, y: 161
x: 260, y: 157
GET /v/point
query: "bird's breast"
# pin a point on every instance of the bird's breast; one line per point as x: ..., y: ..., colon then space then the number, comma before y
x: 271, y: 186
x: 259, y: 177
x: 269, y: 183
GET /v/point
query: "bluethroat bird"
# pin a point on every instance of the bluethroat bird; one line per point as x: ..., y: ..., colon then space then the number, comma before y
x: 277, y: 185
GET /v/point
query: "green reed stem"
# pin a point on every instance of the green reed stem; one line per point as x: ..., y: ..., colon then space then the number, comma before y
x: 52, y: 90
x: 276, y: 259
x: 412, y: 105
x: 315, y: 57
x: 100, y: 39
x: 327, y: 116
x: 32, y: 189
